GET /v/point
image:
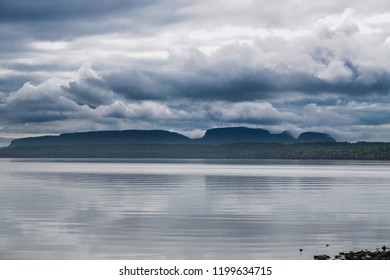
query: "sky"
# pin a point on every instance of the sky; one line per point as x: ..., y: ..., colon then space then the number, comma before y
x: 190, y: 65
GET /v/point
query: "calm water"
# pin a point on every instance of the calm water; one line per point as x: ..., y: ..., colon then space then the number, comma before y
x: 188, y: 209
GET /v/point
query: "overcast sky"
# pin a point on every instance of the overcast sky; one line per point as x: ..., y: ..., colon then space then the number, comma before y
x: 190, y: 65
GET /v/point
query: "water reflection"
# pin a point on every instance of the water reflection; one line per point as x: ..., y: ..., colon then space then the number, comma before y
x: 189, y: 210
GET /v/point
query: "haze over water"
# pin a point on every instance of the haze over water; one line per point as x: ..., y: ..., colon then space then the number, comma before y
x: 191, y: 209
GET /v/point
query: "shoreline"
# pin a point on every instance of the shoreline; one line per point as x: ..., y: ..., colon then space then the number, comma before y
x: 314, y: 151
x: 379, y: 254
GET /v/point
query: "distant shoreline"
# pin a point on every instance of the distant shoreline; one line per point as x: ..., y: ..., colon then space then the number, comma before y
x: 302, y: 151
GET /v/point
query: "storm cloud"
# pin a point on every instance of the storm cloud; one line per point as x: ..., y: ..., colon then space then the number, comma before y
x: 190, y: 65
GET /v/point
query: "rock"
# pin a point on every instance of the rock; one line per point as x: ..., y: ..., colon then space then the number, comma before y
x: 322, y: 257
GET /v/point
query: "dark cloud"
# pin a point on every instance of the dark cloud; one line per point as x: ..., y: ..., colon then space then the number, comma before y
x: 31, y: 68
x: 67, y: 20
x: 38, y: 109
x: 85, y: 95
x: 373, y: 114
x: 90, y: 92
x: 235, y: 95
x: 45, y: 102
x: 15, y: 82
x: 322, y: 55
x: 240, y: 83
x: 58, y: 10
x: 140, y: 85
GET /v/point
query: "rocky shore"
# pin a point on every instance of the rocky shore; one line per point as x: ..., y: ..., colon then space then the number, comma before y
x: 378, y: 254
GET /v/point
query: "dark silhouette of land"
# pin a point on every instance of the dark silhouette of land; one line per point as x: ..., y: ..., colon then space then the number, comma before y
x: 218, y: 143
x: 213, y: 136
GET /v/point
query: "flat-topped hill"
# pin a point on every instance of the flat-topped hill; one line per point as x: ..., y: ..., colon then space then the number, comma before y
x: 213, y: 136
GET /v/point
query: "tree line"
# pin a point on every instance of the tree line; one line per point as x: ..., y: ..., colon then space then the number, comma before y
x: 331, y: 151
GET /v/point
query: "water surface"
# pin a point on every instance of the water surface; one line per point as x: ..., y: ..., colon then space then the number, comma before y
x: 191, y: 209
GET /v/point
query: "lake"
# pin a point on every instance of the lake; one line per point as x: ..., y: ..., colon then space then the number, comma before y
x: 191, y: 209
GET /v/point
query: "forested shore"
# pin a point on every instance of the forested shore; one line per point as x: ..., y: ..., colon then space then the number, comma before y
x: 331, y: 151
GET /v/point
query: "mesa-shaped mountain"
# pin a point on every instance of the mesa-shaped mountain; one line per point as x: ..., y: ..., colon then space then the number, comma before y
x: 314, y: 137
x: 213, y: 136
x: 244, y: 134
x: 105, y: 138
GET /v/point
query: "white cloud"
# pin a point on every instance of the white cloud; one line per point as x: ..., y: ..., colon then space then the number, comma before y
x: 147, y: 110
x: 86, y: 72
x: 195, y: 133
x: 336, y: 71
x: 339, y: 22
x: 249, y: 112
x: 50, y: 45
x: 322, y: 115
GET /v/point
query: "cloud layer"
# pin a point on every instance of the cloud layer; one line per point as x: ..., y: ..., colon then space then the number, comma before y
x: 190, y: 65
